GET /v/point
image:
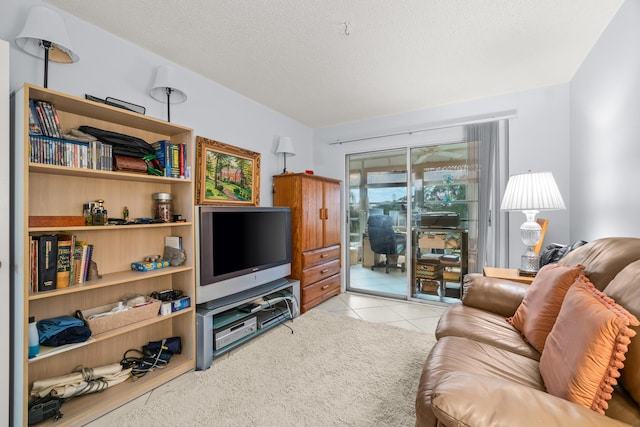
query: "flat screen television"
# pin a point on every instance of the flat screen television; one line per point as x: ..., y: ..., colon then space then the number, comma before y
x: 240, y: 248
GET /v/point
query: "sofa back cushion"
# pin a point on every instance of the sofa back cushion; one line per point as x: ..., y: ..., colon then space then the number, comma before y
x: 586, y: 347
x: 625, y: 290
x: 540, y: 306
x: 604, y: 258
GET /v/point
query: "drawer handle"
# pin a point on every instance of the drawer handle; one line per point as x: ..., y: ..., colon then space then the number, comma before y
x: 325, y: 271
x: 325, y: 287
x: 324, y: 255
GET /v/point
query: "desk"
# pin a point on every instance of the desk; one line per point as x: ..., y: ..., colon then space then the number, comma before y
x: 507, y: 273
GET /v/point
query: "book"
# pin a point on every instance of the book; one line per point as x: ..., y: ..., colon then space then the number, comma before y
x: 79, y: 261
x: 87, y: 262
x: 183, y: 158
x: 175, y: 160
x: 64, y: 277
x: 47, y: 262
x: 42, y: 117
x: 55, y: 119
x: 34, y: 121
x: 33, y: 263
x: 162, y: 151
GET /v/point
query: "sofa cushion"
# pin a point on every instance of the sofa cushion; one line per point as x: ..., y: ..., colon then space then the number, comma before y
x: 456, y: 354
x: 625, y: 290
x: 604, y: 258
x: 480, y: 325
x: 538, y: 311
x: 468, y: 399
x: 499, y: 296
x: 586, y: 347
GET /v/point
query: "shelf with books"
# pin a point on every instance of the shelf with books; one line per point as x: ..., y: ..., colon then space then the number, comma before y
x: 43, y: 190
x: 110, y: 279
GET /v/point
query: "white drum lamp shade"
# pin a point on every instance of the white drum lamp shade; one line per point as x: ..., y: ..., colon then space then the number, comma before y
x: 285, y: 147
x: 165, y: 88
x: 45, y: 36
x: 530, y: 193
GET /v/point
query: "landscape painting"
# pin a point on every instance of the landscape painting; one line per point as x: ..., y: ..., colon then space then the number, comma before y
x: 226, y: 175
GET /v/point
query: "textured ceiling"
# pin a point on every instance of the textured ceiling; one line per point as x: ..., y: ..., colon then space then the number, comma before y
x: 295, y: 56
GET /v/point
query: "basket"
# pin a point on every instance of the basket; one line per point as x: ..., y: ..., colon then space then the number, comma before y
x: 118, y: 320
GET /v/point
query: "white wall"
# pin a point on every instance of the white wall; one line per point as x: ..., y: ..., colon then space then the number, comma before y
x: 110, y: 66
x: 5, y: 264
x: 538, y: 140
x: 605, y: 133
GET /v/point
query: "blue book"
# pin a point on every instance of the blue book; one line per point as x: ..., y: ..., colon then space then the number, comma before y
x: 163, y: 153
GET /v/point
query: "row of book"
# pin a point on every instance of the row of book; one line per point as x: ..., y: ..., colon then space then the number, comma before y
x: 47, y: 146
x: 172, y: 158
x: 43, y: 119
x: 62, y: 152
x: 58, y: 261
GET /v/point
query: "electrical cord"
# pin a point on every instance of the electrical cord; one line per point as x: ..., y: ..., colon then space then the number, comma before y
x: 141, y: 365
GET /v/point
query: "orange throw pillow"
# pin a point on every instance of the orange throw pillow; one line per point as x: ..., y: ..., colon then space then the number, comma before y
x: 586, y: 347
x: 540, y: 306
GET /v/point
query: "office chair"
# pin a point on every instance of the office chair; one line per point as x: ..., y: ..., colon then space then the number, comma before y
x: 385, y: 241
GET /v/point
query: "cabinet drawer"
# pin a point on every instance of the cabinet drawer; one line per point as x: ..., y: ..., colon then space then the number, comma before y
x: 320, y: 256
x: 319, y: 272
x: 320, y: 288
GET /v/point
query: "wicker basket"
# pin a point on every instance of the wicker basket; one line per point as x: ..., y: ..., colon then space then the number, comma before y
x: 120, y: 319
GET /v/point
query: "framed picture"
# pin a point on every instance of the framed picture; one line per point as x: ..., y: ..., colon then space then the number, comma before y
x: 226, y: 175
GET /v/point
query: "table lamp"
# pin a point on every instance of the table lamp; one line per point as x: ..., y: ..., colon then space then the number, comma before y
x: 165, y: 88
x: 285, y: 147
x: 530, y: 193
x: 44, y: 36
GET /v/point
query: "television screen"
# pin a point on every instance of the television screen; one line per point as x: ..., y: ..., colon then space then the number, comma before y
x: 247, y: 240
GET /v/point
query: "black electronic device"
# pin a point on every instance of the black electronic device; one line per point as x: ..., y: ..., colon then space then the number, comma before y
x: 44, y: 408
x: 167, y: 295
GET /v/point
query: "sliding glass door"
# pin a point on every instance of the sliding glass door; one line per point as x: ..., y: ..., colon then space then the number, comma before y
x: 435, y: 201
x: 378, y: 185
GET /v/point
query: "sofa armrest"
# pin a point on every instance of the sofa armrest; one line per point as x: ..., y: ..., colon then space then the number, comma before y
x: 467, y: 399
x: 498, y: 296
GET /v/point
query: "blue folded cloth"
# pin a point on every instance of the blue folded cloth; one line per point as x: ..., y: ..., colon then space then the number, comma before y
x: 61, y: 330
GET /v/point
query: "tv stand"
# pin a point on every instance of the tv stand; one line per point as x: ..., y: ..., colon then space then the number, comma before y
x: 224, y: 313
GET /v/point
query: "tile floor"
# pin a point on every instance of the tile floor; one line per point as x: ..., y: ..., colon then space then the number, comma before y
x: 421, y: 317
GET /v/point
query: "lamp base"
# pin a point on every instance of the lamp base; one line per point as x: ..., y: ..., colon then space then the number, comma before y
x: 529, y: 262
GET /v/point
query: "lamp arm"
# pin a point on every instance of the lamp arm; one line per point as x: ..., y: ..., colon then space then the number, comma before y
x: 46, y: 45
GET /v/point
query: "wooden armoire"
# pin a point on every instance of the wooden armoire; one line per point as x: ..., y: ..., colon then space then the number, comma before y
x: 315, y: 233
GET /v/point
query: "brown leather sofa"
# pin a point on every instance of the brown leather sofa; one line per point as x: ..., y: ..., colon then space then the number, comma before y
x: 481, y: 372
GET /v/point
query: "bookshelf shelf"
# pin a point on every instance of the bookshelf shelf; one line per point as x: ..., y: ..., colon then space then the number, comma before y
x: 91, y: 173
x: 108, y: 228
x: 47, y: 352
x: 49, y: 190
x: 111, y: 279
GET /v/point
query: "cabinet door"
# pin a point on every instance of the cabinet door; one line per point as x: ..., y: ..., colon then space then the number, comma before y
x: 331, y: 213
x: 312, y: 214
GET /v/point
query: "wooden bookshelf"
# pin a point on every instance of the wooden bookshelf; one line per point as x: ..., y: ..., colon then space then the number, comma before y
x: 46, y: 190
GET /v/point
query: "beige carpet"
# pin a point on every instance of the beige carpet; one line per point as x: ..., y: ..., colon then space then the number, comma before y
x: 332, y: 371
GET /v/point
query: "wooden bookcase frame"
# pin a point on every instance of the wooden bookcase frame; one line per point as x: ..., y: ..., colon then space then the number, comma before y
x: 41, y: 189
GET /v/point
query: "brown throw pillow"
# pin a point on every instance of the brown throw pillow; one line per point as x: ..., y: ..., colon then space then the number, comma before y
x: 540, y: 306
x: 586, y: 347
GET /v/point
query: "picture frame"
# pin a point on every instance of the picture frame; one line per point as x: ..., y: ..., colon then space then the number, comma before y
x: 226, y: 175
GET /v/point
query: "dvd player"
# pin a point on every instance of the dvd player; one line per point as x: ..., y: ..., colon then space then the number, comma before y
x: 233, y: 333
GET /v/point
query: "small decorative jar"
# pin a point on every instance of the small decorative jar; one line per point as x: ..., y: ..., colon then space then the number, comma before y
x: 162, y: 207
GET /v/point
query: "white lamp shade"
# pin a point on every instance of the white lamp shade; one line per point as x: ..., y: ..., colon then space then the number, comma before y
x: 285, y: 146
x: 166, y: 77
x: 532, y: 191
x: 45, y: 24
